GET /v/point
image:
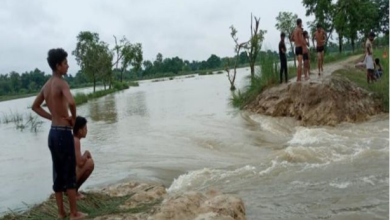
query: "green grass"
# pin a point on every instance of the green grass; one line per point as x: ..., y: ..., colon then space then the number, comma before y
x: 81, y: 98
x: 95, y: 205
x: 16, y: 96
x: 266, y: 77
x: 380, y: 88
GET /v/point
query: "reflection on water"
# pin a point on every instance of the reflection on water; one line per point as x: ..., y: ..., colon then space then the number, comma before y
x: 136, y: 105
x: 104, y: 109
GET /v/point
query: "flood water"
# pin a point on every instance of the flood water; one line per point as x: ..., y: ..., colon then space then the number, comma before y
x: 184, y: 133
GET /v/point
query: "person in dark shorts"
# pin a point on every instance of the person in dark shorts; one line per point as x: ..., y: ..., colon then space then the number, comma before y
x: 56, y: 94
x: 297, y: 38
x: 283, y: 58
x: 320, y: 37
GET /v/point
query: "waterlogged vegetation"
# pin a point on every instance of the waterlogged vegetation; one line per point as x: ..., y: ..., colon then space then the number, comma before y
x: 81, y: 98
x: 22, y: 121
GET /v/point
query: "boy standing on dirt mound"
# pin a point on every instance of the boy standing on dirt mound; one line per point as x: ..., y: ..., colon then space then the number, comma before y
x: 56, y: 94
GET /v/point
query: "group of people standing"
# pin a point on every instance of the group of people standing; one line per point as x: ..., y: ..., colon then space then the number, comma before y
x: 301, y: 40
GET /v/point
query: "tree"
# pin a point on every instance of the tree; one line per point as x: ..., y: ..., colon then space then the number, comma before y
x: 103, y: 66
x: 237, y: 49
x: 243, y: 58
x: 253, y: 46
x: 213, y: 61
x: 383, y: 16
x: 127, y: 54
x: 148, y: 67
x: 286, y: 22
x: 16, y: 83
x: 86, y: 54
x: 324, y: 12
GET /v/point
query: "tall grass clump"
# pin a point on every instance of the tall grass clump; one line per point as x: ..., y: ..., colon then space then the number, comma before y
x: 265, y: 77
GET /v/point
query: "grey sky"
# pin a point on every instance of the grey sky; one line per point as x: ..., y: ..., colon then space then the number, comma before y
x: 192, y: 30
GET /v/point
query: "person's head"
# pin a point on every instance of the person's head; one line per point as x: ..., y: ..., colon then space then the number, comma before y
x: 57, y: 60
x: 299, y: 22
x: 282, y: 36
x: 377, y: 61
x: 371, y: 36
x: 80, y: 127
x: 305, y: 34
x: 319, y: 26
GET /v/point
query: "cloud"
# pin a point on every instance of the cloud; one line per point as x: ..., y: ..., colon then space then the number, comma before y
x: 192, y: 30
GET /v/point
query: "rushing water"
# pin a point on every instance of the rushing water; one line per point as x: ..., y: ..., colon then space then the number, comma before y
x: 184, y: 133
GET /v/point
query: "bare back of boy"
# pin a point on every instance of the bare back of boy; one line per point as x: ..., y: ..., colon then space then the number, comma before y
x: 56, y: 94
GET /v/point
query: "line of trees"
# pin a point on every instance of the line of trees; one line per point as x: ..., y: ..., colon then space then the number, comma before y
x: 351, y: 20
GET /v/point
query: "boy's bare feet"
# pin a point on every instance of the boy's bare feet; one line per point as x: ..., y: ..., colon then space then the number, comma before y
x: 78, y: 216
x: 62, y: 216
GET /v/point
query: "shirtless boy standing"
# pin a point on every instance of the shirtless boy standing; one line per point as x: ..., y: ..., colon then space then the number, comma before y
x: 320, y: 37
x: 297, y: 38
x: 56, y: 94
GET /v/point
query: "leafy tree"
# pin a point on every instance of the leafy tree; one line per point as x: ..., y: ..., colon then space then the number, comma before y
x: 86, y: 54
x: 324, y: 12
x: 213, y: 61
x: 253, y: 46
x: 286, y: 22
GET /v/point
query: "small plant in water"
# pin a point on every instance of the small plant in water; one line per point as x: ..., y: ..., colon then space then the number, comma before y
x: 32, y: 121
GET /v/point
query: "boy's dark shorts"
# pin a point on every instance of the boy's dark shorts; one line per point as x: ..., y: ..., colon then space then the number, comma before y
x: 320, y: 49
x: 298, y: 51
x: 305, y: 56
x: 61, y: 145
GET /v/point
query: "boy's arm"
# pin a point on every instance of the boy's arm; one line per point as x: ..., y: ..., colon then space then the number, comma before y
x: 69, y: 98
x: 36, y: 107
x: 80, y: 160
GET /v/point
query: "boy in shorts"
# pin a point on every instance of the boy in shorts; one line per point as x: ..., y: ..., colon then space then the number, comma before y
x: 56, y: 94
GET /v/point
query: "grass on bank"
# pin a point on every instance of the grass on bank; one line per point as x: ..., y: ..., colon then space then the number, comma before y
x: 95, y: 205
x: 380, y: 88
x: 81, y: 98
x: 268, y: 76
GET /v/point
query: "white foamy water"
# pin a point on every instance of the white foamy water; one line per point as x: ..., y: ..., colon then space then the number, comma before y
x: 184, y: 133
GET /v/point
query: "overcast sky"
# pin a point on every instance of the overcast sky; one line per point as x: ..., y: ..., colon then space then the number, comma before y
x: 192, y: 30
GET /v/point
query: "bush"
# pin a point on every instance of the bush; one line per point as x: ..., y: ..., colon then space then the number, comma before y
x: 80, y: 98
x: 120, y: 85
x: 133, y: 84
x: 202, y: 73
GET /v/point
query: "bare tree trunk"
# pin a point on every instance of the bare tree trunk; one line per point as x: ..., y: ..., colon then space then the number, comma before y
x: 340, y: 43
x: 94, y: 84
x: 353, y: 44
x: 252, y: 65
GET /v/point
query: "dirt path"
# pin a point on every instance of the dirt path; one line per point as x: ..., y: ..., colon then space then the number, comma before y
x: 328, y: 69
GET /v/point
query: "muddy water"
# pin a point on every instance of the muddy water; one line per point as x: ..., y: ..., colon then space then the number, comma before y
x: 184, y: 133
